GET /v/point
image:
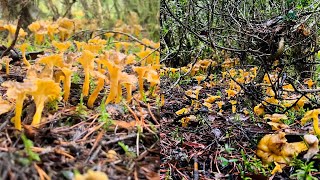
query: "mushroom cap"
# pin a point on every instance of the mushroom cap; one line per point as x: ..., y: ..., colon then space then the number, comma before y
x: 233, y: 102
x: 276, y: 117
x: 309, y: 115
x: 199, y: 78
x: 15, y: 88
x: 52, y: 28
x: 5, y: 106
x: 35, y: 26
x: 275, y: 148
x: 22, y: 33
x: 212, y: 99
x: 92, y: 175
x: 114, y: 56
x: 130, y: 59
x: 152, y: 76
x: 52, y: 60
x: 128, y: 79
x: 140, y: 70
x: 97, y: 41
x: 46, y: 88
x: 61, y: 46
x: 23, y: 47
x: 65, y: 23
x: 86, y: 59
x: 11, y: 28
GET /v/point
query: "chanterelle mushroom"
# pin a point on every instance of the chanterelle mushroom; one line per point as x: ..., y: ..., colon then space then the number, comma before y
x: 46, y: 89
x: 87, y: 62
x: 18, y: 92
x: 275, y: 148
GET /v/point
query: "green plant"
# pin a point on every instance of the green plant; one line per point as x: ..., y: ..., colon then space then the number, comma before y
x: 28, y: 144
x: 304, y: 172
x: 92, y: 84
x: 127, y: 150
x: 252, y: 165
x: 53, y: 105
x: 104, y: 115
x: 175, y: 134
x: 225, y: 162
x: 76, y: 79
x: 219, y: 93
x: 81, y: 109
x: 174, y: 76
x: 228, y: 149
x: 291, y: 118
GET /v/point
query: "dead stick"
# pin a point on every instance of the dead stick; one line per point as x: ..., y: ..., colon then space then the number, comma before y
x: 15, y: 35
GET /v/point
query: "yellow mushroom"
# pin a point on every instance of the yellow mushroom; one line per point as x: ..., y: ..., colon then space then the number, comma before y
x: 275, y: 148
x: 128, y: 81
x: 46, y: 89
x: 38, y: 31
x: 312, y: 114
x: 87, y: 62
x: 7, y: 60
x: 12, y: 30
x: 18, y: 92
x: 153, y: 78
x: 114, y: 73
x: 259, y: 109
x: 234, y: 107
x: 61, y: 46
x: 99, y: 87
x: 212, y: 99
x: 276, y: 117
x: 65, y: 28
x: 199, y: 78
x: 92, y: 175
x: 5, y: 106
x: 52, y: 60
x: 66, y: 83
x: 52, y: 29
x: 23, y: 48
x: 141, y: 72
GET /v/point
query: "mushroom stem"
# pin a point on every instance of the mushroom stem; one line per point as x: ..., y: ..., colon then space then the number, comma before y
x: 37, y: 116
x: 7, y: 66
x: 66, y: 87
x: 38, y: 38
x: 129, y: 91
x: 85, y: 89
x: 95, y: 93
x: 140, y: 81
x: 118, y: 98
x: 19, y: 105
x: 316, y: 124
x: 25, y: 61
x: 113, y: 92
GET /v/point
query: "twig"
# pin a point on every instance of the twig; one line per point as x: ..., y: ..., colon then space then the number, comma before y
x: 129, y: 136
x: 117, y: 32
x: 152, y: 116
x: 15, y: 36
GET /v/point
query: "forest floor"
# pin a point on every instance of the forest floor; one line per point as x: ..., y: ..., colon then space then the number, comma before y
x: 77, y: 140
x: 214, y: 143
x: 118, y: 139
